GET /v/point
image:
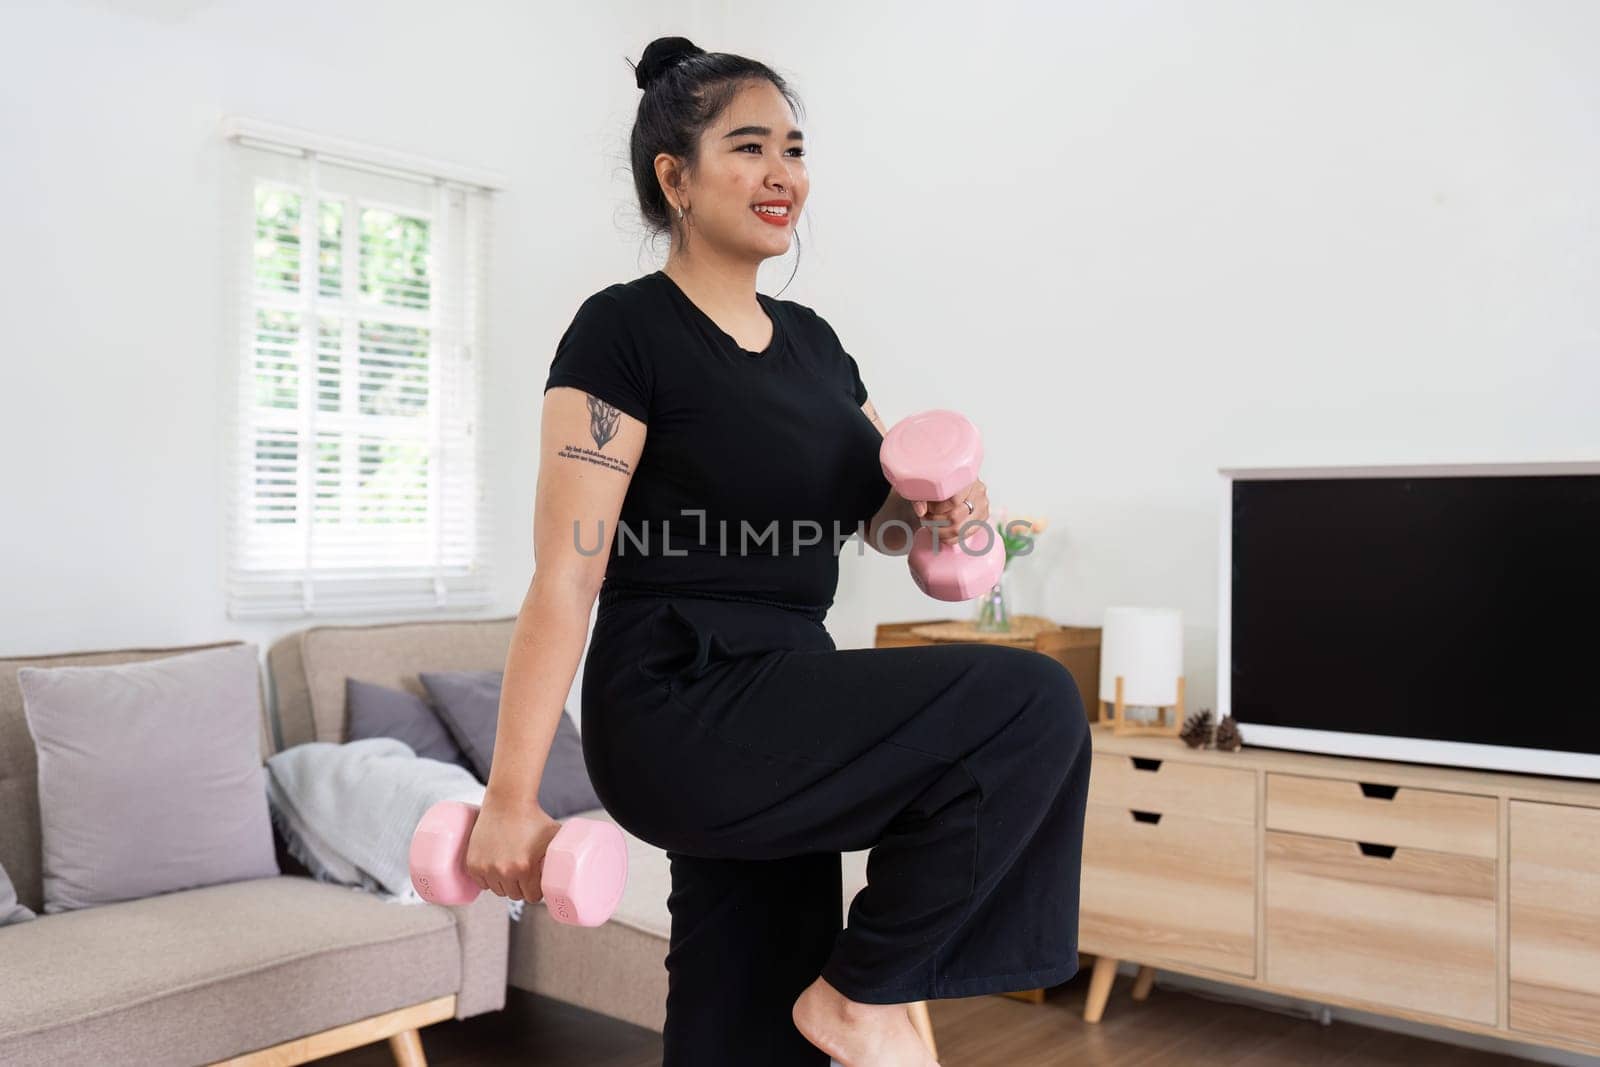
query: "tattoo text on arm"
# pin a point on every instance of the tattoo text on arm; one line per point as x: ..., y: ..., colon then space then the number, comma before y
x: 599, y: 459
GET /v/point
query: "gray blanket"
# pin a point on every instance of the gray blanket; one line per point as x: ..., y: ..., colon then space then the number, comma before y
x: 347, y: 811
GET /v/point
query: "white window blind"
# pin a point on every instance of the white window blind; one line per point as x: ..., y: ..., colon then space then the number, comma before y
x: 358, y: 296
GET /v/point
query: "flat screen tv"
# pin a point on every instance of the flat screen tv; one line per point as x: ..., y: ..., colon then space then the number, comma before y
x: 1432, y: 614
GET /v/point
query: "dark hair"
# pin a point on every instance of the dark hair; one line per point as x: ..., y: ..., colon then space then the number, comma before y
x: 685, y: 87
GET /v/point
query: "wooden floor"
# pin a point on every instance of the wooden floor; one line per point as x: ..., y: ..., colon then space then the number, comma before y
x: 1170, y: 1028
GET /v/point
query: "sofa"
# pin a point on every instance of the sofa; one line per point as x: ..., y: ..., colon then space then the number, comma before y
x: 274, y: 970
x: 284, y: 970
x: 616, y: 969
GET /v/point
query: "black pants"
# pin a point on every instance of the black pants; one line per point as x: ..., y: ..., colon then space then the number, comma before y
x: 739, y: 739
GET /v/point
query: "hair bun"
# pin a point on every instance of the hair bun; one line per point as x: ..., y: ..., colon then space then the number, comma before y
x: 661, y: 55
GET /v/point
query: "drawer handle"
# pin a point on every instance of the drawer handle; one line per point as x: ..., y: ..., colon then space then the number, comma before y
x: 1145, y: 763
x: 1370, y: 849
x: 1151, y: 817
x: 1379, y: 792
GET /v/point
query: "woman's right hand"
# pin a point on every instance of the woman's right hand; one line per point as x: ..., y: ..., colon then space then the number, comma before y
x: 505, y: 854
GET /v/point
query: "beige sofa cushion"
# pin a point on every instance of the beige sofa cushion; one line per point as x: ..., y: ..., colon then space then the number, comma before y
x: 207, y: 973
x: 19, y: 786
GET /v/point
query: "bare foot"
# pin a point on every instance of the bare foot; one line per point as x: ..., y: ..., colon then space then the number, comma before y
x: 859, y: 1035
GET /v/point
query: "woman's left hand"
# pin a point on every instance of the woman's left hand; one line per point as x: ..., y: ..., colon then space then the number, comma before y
x: 954, y: 511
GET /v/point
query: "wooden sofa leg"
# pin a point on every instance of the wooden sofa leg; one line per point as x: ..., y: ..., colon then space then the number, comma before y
x: 924, y: 1025
x: 1142, y: 984
x: 1094, y: 1005
x: 407, y: 1049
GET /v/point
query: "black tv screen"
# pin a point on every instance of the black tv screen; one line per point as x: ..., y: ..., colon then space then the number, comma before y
x: 1428, y: 608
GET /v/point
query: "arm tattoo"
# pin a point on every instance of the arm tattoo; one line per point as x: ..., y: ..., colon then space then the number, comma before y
x: 603, y: 421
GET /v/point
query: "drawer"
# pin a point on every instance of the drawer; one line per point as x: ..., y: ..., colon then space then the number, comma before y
x: 1171, y: 786
x: 1462, y: 823
x: 1168, y: 886
x: 1555, y: 920
x: 1398, y: 927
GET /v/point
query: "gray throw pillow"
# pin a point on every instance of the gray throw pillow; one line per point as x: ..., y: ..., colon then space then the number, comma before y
x: 150, y: 775
x: 10, y: 910
x: 378, y: 711
x: 469, y: 704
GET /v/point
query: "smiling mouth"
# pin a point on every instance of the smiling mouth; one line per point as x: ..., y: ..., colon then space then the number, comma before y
x: 772, y: 216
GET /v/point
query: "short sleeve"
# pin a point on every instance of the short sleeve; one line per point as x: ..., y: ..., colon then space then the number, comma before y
x: 855, y: 377
x: 598, y: 355
x: 850, y: 368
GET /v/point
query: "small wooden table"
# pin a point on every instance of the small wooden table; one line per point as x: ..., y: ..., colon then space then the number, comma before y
x: 1075, y: 647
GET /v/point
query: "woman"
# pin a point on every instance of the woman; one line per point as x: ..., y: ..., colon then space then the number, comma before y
x: 706, y: 449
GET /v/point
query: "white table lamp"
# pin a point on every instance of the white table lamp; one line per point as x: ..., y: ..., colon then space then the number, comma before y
x: 1141, y: 663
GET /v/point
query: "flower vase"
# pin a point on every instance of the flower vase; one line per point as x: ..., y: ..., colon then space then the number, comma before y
x: 994, y: 615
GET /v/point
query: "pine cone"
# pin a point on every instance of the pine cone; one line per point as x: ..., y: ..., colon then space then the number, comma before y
x: 1228, y: 738
x: 1196, y: 730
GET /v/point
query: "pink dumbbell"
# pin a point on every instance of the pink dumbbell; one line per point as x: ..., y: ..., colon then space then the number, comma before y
x: 581, y: 875
x: 931, y: 456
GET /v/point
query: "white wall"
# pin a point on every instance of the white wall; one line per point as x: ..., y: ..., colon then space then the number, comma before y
x: 112, y: 425
x: 1139, y: 241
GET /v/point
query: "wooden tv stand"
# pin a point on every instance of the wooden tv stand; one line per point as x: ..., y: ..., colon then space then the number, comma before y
x: 1465, y: 899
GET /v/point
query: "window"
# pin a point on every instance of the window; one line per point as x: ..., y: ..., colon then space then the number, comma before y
x: 358, y: 317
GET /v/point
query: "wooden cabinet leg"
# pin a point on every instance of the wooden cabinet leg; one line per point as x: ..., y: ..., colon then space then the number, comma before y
x: 407, y: 1049
x: 923, y: 1024
x: 1142, y: 983
x: 1094, y: 1005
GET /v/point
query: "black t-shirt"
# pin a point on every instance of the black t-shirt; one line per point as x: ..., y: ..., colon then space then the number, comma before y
x: 771, y: 446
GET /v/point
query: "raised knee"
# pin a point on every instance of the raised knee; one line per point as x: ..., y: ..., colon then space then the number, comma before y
x: 1065, y: 688
x: 1057, y: 691
x: 1048, y: 679
x: 1045, y: 685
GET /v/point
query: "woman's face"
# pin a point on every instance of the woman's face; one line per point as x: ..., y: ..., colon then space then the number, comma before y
x: 751, y: 154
